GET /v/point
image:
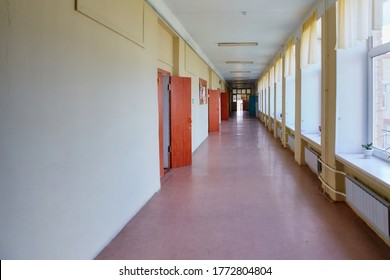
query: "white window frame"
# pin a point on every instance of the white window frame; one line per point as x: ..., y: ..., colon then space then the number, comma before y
x: 374, y: 52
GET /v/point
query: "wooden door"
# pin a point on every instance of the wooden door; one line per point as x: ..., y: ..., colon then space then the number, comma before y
x: 225, y: 106
x: 181, y: 122
x: 213, y: 110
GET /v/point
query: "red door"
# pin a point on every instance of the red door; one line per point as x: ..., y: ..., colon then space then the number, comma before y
x: 225, y: 106
x: 213, y: 110
x: 181, y: 122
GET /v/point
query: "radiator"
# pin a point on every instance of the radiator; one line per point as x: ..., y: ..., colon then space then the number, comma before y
x: 374, y: 208
x: 280, y: 133
x: 291, y: 142
x: 311, y: 158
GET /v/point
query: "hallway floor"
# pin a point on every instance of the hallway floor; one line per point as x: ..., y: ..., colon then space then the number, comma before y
x: 244, y: 197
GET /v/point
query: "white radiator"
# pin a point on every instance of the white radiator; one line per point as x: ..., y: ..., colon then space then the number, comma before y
x: 311, y: 158
x: 291, y: 142
x: 280, y: 133
x: 374, y: 208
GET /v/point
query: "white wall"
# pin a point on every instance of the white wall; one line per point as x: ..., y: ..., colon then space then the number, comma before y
x: 200, y: 116
x: 78, y: 130
x: 351, y: 99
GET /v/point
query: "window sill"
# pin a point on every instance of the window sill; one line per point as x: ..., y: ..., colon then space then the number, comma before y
x: 374, y: 167
x: 291, y: 126
x: 313, y: 139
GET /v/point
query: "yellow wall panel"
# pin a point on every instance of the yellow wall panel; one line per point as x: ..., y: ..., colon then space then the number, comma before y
x: 192, y: 61
x: 165, y: 46
x: 122, y: 16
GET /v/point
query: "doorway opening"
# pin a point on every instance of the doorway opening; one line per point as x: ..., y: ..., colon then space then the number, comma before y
x: 164, y: 121
x: 240, y: 99
x: 175, y: 121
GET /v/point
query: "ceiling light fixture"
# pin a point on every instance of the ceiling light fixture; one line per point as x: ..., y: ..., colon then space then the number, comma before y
x: 239, y: 62
x: 241, y: 78
x: 238, y: 44
x: 240, y: 72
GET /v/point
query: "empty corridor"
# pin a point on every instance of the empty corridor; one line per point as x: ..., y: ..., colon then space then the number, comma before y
x: 244, y: 197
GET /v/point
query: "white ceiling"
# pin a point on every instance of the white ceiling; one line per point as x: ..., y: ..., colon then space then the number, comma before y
x: 268, y: 22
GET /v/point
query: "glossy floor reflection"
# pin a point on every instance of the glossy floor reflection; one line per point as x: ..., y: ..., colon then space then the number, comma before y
x: 244, y: 197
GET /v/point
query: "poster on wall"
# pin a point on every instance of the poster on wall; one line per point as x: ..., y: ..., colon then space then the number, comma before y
x: 202, y: 92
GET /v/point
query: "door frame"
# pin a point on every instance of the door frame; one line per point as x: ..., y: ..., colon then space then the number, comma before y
x: 160, y: 76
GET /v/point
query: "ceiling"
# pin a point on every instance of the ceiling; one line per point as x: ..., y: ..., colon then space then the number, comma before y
x: 270, y: 23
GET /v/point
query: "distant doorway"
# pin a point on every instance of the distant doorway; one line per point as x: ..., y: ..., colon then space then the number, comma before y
x: 240, y: 99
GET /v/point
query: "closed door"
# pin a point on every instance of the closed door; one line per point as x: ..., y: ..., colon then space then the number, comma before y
x: 181, y: 122
x: 225, y: 106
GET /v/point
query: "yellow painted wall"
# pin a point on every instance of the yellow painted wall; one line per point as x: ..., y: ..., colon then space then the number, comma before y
x: 165, y: 47
x: 75, y: 94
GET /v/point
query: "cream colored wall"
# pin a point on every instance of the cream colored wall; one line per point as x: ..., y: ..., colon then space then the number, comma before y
x: 216, y: 82
x: 79, y: 124
x: 165, y: 48
x: 78, y: 129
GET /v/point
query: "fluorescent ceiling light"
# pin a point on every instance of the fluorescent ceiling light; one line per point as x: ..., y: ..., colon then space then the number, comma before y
x: 241, y: 78
x: 240, y: 72
x: 239, y: 62
x: 238, y: 44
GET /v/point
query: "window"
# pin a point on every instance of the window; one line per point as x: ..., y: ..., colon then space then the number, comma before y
x: 380, y: 110
x: 290, y: 84
x: 311, y: 87
x: 379, y: 55
x: 381, y: 23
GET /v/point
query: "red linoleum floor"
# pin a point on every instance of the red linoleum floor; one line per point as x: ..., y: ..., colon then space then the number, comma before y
x: 244, y: 197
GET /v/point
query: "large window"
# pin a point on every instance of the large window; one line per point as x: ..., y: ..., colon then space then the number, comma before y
x: 380, y: 87
x: 290, y: 84
x: 311, y: 89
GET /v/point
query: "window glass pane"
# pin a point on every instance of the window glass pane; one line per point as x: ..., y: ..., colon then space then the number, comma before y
x: 235, y: 98
x: 381, y: 90
x: 383, y: 19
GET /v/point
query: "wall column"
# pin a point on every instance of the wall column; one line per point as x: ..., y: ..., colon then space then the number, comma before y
x: 328, y: 118
x: 299, y: 145
x: 284, y: 131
